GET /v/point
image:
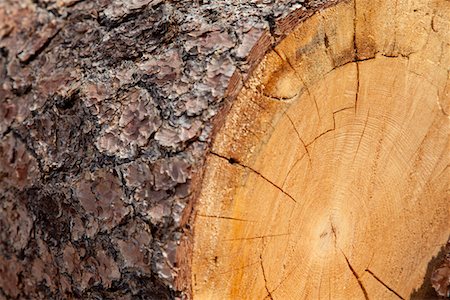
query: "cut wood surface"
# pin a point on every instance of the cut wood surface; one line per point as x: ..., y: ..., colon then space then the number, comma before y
x: 329, y: 176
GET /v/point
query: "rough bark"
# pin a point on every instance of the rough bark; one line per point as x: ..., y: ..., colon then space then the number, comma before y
x: 107, y: 109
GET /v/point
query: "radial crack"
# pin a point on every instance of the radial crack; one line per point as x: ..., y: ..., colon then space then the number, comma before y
x: 265, y: 279
x: 366, y: 296
x: 317, y: 106
x: 357, y: 87
x: 326, y: 43
x: 292, y: 168
x: 285, y: 59
x: 354, y: 31
x: 385, y: 285
x: 257, y: 237
x: 333, y: 230
x: 299, y: 137
x: 234, y: 161
x: 361, y: 137
x: 241, y: 268
x: 286, y: 277
x: 224, y: 217
x: 395, y: 25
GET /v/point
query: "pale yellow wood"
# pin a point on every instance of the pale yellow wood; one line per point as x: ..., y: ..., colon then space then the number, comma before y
x: 329, y: 178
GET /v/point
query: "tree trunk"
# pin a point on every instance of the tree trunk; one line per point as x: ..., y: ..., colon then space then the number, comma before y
x: 218, y: 150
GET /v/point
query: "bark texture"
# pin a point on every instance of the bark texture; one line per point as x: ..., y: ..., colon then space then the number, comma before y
x: 106, y: 111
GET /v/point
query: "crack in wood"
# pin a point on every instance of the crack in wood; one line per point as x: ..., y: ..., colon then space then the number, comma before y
x: 354, y: 31
x: 358, y: 60
x: 234, y: 161
x: 326, y: 43
x: 241, y: 268
x: 398, y: 55
x: 258, y: 237
x: 299, y: 137
x: 395, y: 25
x: 265, y: 278
x: 317, y: 106
x: 292, y: 168
x: 385, y: 285
x: 278, y: 98
x: 224, y: 217
x: 366, y: 296
x: 361, y: 137
x: 286, y: 277
x: 331, y: 129
x: 357, y: 87
x: 283, y: 57
x: 333, y: 230
x: 432, y: 22
x: 323, y: 133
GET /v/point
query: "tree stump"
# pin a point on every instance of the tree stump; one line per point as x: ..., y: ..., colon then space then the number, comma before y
x: 329, y: 177
x: 224, y: 149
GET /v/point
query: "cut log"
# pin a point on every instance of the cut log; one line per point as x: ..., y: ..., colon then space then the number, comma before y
x: 224, y: 149
x: 329, y: 177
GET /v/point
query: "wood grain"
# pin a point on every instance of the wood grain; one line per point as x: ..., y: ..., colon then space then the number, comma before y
x: 329, y: 177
